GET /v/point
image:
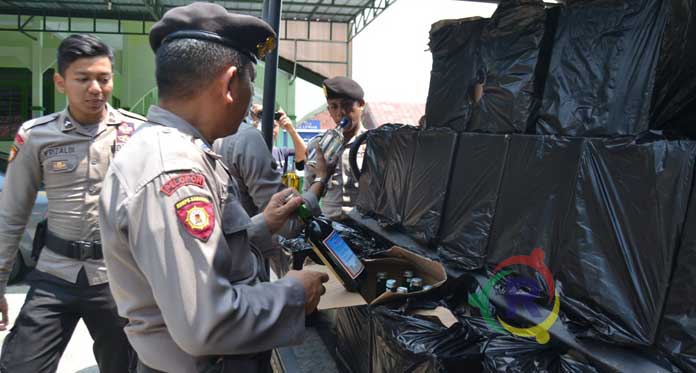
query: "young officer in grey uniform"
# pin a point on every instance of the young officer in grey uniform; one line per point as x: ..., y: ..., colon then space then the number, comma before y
x: 184, y: 258
x: 69, y: 152
x: 344, y: 98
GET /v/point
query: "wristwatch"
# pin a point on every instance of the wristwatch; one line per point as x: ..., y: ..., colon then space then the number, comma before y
x: 323, y: 184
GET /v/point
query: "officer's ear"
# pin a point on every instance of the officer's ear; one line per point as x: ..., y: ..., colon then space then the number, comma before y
x: 231, y: 79
x: 59, y: 81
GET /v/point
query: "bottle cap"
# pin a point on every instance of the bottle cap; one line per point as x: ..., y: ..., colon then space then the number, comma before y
x: 381, y: 275
x: 416, y: 282
x: 407, y: 273
x: 344, y: 122
x: 401, y: 289
x: 391, y: 283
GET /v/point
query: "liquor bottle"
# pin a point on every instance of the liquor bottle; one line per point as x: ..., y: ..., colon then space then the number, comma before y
x: 335, y: 253
x: 406, y: 277
x: 290, y: 178
x: 402, y: 290
x: 391, y: 285
x: 330, y: 143
x: 381, y: 286
x: 416, y: 284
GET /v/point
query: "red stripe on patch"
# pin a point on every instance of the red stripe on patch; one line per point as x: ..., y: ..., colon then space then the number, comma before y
x: 181, y: 180
x: 197, y: 216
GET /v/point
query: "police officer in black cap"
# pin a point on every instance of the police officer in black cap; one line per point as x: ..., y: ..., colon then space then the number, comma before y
x: 345, y: 99
x: 185, y: 260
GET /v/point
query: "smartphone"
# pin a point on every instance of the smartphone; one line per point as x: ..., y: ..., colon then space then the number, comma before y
x: 277, y: 116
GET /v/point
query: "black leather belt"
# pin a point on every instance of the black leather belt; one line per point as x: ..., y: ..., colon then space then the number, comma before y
x: 80, y: 250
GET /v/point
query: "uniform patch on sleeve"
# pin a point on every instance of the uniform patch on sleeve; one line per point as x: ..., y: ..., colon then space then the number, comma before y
x: 182, y: 180
x: 13, y: 153
x: 197, y: 216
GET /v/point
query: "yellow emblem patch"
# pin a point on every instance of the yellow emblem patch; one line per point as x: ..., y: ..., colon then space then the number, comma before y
x: 264, y: 47
x: 59, y: 166
x: 13, y: 153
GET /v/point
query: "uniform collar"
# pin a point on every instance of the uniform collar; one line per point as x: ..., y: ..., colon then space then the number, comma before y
x: 361, y: 130
x: 67, y: 123
x: 166, y: 118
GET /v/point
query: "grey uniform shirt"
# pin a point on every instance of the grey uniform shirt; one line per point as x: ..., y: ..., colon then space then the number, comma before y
x: 71, y: 161
x: 250, y: 163
x: 342, y: 188
x: 182, y: 254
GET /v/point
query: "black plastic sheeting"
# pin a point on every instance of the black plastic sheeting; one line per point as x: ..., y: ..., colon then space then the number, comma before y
x: 427, y: 187
x: 511, y: 354
x: 626, y: 221
x: 384, y: 180
x: 602, y: 69
x: 404, y: 343
x: 404, y: 178
x: 471, y: 201
x: 455, y: 45
x: 513, y: 49
x: 677, y: 332
x: 488, y: 74
x: 353, y: 338
x: 674, y: 102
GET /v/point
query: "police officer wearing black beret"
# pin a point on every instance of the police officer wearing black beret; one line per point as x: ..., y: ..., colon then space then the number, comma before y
x: 184, y: 258
x: 345, y: 99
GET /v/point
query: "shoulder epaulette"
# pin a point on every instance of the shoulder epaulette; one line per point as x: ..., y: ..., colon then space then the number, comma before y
x: 40, y: 120
x: 132, y: 115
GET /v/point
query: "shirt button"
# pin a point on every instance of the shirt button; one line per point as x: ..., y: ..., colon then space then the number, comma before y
x: 92, y: 189
x: 94, y: 162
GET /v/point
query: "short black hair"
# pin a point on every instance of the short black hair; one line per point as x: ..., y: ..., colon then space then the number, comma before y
x: 185, y: 66
x: 79, y: 46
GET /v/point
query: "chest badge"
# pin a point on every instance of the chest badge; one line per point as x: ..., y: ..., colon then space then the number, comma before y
x: 57, y: 166
x: 196, y: 215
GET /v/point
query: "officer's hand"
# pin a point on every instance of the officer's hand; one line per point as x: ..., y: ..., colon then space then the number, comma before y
x: 312, y: 282
x: 5, y: 314
x: 278, y: 211
x: 322, y: 169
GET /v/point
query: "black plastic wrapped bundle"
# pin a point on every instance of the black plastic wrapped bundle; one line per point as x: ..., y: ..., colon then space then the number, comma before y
x: 625, y: 224
x: 427, y: 188
x: 677, y: 332
x: 353, y: 338
x: 384, y: 178
x: 471, y: 202
x: 403, y: 343
x: 512, y: 68
x: 455, y: 45
x: 674, y: 98
x: 602, y: 69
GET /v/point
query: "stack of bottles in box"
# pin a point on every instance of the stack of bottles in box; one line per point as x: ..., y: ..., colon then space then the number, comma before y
x: 570, y: 129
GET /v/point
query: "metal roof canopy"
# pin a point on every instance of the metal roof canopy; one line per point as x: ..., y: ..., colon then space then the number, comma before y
x: 315, y: 34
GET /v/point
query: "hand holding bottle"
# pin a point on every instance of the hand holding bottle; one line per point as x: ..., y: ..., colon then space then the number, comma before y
x: 280, y: 209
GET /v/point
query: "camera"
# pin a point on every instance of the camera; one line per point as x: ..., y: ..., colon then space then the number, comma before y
x: 276, y: 116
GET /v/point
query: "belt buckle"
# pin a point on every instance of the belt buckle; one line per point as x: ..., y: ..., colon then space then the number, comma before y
x: 86, y: 249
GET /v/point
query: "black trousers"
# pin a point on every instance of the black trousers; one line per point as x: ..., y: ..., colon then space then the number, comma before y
x: 48, y: 318
x: 255, y: 363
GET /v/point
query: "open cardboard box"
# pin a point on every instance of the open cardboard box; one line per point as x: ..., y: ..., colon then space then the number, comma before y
x: 397, y: 260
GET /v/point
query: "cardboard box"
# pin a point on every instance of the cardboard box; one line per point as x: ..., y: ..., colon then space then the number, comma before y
x: 398, y: 260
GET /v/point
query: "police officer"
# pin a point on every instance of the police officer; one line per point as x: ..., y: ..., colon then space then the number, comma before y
x: 184, y: 258
x: 69, y: 152
x: 258, y: 177
x: 345, y: 99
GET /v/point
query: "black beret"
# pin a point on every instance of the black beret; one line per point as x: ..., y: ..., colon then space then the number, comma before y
x: 207, y: 21
x: 342, y: 87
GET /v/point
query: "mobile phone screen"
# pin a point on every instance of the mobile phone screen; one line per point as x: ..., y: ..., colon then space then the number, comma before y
x: 350, y: 262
